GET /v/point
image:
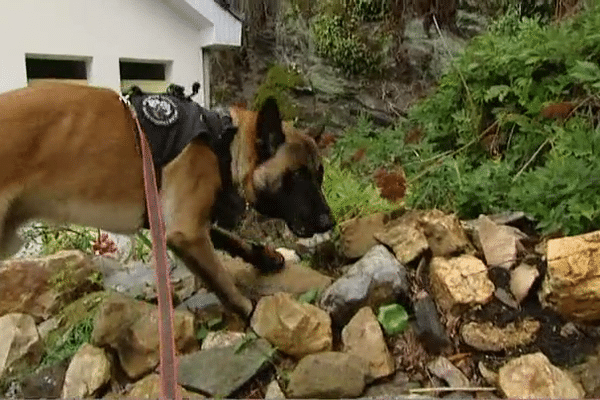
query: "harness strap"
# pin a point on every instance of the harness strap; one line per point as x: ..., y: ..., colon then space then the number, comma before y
x: 168, y: 360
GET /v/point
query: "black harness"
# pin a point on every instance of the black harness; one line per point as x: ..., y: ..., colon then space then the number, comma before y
x: 171, y: 121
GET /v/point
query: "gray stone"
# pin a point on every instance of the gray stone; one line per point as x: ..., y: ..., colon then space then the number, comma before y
x: 221, y: 371
x: 444, y: 369
x: 45, y: 383
x: 376, y: 278
x: 328, y: 375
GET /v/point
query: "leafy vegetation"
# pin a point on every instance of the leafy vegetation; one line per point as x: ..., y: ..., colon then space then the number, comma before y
x: 512, y: 126
x: 337, y: 35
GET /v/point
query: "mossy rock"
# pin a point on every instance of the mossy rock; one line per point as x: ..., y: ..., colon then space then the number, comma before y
x: 280, y: 80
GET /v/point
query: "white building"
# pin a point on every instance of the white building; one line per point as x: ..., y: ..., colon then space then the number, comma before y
x: 112, y: 43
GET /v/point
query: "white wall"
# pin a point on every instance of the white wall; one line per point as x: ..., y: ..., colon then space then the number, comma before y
x: 105, y: 31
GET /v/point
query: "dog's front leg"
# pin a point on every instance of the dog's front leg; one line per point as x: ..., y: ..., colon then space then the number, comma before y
x: 199, y: 256
x: 262, y: 257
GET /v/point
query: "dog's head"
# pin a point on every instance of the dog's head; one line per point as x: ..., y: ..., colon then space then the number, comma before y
x: 281, y: 171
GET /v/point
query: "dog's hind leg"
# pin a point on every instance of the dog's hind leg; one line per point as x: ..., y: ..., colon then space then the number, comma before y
x: 261, y: 257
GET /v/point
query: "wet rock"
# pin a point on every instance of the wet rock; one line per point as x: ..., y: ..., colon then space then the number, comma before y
x: 485, y: 336
x: 573, y: 276
x: 375, y: 279
x: 428, y: 327
x: 45, y: 383
x: 460, y: 281
x: 20, y: 343
x: 149, y: 388
x: 328, y: 375
x: 88, y: 371
x: 294, y: 328
x: 499, y: 243
x: 222, y: 370
x: 405, y: 239
x: 357, y: 234
x: 221, y: 339
x: 533, y: 376
x: 131, y: 328
x: 445, y: 370
x: 274, y: 391
x: 294, y: 278
x: 521, y: 280
x: 445, y: 234
x: 363, y: 337
x: 41, y: 286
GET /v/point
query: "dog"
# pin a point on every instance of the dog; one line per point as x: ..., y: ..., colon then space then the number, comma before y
x: 69, y: 154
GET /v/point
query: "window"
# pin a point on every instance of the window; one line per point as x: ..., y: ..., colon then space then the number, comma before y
x: 42, y: 68
x: 149, y: 76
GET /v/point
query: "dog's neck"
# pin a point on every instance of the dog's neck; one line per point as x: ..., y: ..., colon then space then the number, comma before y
x: 243, y: 162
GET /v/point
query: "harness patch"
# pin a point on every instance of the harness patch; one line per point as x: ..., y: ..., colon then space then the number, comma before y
x: 160, y: 110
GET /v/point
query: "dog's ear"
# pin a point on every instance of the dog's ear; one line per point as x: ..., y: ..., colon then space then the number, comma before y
x: 269, y: 131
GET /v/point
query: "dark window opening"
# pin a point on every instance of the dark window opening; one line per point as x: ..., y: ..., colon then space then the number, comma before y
x: 138, y: 70
x: 41, y: 68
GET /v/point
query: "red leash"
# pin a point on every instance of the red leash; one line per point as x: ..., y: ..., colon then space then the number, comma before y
x: 168, y: 359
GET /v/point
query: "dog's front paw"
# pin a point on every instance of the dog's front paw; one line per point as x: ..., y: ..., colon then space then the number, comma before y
x: 267, y: 260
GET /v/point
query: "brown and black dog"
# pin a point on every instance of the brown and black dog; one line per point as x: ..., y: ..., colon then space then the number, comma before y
x: 68, y: 154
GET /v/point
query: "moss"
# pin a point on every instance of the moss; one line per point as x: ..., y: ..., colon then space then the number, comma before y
x: 279, y: 81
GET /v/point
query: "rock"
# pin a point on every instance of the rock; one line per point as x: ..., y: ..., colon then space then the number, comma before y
x: 485, y: 336
x: 222, y: 370
x: 149, y: 388
x: 460, y: 281
x: 138, y: 279
x: 521, y: 280
x: 274, y: 391
x: 357, y: 234
x: 573, y: 277
x: 294, y: 328
x: 498, y: 242
x: 390, y: 390
x: 131, y: 328
x: 533, y: 376
x: 221, y: 339
x: 314, y: 241
x: 405, y: 240
x: 445, y: 234
x: 88, y: 372
x: 47, y: 327
x: 20, y: 343
x: 45, y: 383
x: 328, y: 375
x: 41, y: 286
x: 444, y: 369
x: 363, y: 337
x: 204, y: 305
x: 506, y: 298
x: 428, y: 327
x: 375, y: 279
x: 289, y: 255
x: 294, y: 278
x: 588, y: 374
x: 490, y: 376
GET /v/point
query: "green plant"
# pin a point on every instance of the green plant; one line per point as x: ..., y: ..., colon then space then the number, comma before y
x: 349, y: 195
x: 79, y: 334
x: 393, y: 318
x: 486, y: 145
x: 336, y: 40
x: 62, y: 237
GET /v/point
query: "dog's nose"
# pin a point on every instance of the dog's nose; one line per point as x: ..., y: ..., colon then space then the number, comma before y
x: 325, y: 222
